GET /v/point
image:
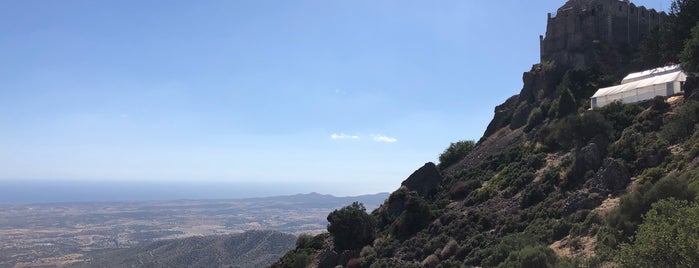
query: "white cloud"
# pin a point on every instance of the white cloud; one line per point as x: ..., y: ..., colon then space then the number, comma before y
x: 382, y: 138
x: 342, y: 136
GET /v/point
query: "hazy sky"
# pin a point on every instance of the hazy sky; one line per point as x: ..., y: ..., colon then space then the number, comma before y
x: 356, y: 94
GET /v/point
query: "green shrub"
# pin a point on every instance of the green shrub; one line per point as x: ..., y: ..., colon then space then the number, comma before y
x: 620, y: 115
x: 414, y: 218
x: 668, y: 237
x: 461, y: 189
x: 536, y: 116
x: 351, y: 227
x: 531, y: 257
x: 566, y: 104
x: 455, y: 152
x: 581, y: 83
x: 624, y: 221
x: 480, y: 195
x: 681, y: 125
x: 507, y: 245
x: 303, y: 240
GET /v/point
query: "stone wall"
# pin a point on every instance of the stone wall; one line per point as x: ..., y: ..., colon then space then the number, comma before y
x: 581, y: 25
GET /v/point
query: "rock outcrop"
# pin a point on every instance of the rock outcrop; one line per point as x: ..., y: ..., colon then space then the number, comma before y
x: 612, y: 177
x: 503, y: 115
x: 425, y: 180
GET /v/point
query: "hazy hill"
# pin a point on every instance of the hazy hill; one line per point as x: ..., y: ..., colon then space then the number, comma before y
x: 63, y: 233
x: 551, y: 183
x: 249, y: 249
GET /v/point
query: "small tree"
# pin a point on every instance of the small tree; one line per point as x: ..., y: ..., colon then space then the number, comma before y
x: 351, y: 227
x: 690, y: 54
x: 566, y: 104
x: 455, y: 152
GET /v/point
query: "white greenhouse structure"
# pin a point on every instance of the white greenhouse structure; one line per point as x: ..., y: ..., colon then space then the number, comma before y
x: 642, y: 86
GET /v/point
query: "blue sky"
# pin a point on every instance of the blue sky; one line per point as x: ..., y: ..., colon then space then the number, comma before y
x: 354, y: 95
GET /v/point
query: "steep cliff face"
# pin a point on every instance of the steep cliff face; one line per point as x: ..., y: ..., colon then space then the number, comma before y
x: 581, y: 29
x: 550, y: 184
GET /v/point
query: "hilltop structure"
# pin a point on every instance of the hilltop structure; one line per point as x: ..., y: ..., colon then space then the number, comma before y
x: 637, y: 87
x: 582, y: 27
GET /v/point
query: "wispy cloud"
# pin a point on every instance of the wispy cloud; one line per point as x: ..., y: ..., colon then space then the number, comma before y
x: 382, y: 138
x: 342, y: 136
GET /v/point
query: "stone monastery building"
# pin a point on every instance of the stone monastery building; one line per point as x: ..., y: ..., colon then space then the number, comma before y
x: 579, y: 25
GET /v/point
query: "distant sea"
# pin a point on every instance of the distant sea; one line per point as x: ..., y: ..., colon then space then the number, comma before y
x: 54, y: 191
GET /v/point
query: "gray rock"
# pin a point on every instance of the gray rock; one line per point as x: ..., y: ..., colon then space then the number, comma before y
x: 503, y: 115
x: 612, y: 177
x: 425, y: 180
x: 521, y: 115
x: 587, y: 158
x: 582, y: 200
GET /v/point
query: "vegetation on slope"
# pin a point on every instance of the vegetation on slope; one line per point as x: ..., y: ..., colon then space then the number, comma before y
x: 249, y: 249
x: 572, y: 188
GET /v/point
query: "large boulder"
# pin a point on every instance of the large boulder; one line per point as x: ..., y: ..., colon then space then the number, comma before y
x: 521, y: 115
x: 582, y: 199
x: 612, y: 177
x: 425, y: 180
x: 587, y: 158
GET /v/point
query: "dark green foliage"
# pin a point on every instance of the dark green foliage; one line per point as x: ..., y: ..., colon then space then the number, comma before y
x: 461, y: 189
x: 690, y: 53
x: 664, y: 45
x: 306, y: 241
x: 351, y: 227
x: 306, y: 247
x: 620, y: 115
x: 455, y: 152
x: 531, y: 257
x: 566, y: 104
x: 681, y: 125
x: 535, y: 193
x: 580, y: 83
x: 624, y: 220
x: 640, y: 150
x: 668, y: 237
x: 508, y: 244
x: 577, y: 130
x: 536, y: 116
x: 685, y: 15
x: 649, y: 53
x: 548, y: 230
x: 414, y: 218
x: 538, y: 191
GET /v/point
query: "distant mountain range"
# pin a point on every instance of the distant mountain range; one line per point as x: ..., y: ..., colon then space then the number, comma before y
x: 371, y: 201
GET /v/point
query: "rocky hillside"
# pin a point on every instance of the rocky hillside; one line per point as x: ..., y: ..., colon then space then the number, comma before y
x: 249, y: 249
x: 551, y: 183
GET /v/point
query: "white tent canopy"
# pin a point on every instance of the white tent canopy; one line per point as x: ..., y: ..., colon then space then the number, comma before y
x: 641, y: 86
